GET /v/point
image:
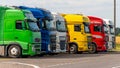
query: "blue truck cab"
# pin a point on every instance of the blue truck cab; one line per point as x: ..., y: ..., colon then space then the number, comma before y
x: 48, y: 29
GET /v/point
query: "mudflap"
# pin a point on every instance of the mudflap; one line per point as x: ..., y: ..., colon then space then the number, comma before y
x: 2, y: 51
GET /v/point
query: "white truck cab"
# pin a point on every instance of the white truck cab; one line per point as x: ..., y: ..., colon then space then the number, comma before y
x: 61, y: 40
x: 111, y: 34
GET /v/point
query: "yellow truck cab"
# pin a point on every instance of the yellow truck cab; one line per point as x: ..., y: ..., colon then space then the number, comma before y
x: 79, y: 34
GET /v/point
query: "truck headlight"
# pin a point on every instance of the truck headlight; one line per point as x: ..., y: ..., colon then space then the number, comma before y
x: 49, y: 47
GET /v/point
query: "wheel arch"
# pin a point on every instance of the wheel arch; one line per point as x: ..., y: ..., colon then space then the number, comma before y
x: 94, y: 44
x: 70, y: 44
x: 73, y: 43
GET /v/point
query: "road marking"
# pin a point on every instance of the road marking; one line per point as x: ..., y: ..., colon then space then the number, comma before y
x: 58, y: 65
x: 116, y: 67
x: 34, y: 66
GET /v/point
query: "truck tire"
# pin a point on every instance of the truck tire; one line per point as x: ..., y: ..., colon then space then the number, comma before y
x: 92, y: 49
x: 14, y: 51
x: 73, y: 49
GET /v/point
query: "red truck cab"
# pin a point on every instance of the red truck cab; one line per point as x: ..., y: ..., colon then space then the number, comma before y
x: 99, y: 33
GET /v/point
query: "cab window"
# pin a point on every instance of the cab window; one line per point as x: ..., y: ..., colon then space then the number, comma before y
x: 18, y: 24
x: 97, y: 28
x: 77, y: 27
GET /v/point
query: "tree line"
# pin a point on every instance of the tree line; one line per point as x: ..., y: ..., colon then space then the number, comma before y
x: 117, y: 31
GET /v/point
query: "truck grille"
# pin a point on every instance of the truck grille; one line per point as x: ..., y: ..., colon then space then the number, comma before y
x: 113, y: 38
x: 106, y: 38
x: 53, y: 42
x: 62, y: 44
x: 106, y: 44
x: 113, y: 44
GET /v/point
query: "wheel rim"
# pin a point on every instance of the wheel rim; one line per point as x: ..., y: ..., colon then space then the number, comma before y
x: 14, y: 51
x: 92, y: 48
x: 72, y: 49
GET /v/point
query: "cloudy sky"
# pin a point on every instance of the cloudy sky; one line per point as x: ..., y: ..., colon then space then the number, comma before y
x: 100, y: 8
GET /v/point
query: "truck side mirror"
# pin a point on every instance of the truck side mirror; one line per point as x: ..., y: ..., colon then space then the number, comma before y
x: 82, y: 29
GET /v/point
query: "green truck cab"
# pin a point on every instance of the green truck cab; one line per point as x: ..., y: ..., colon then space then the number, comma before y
x: 19, y: 33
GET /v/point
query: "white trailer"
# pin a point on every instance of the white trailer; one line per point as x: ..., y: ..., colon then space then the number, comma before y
x: 111, y: 34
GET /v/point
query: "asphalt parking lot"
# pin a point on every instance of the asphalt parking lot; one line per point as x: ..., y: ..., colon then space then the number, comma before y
x: 100, y: 60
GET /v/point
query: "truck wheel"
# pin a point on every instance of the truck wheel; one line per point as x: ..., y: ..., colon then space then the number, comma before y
x: 73, y: 49
x: 14, y: 51
x: 92, y: 49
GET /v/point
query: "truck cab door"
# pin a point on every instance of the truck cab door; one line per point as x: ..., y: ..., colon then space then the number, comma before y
x: 21, y: 32
x: 77, y: 32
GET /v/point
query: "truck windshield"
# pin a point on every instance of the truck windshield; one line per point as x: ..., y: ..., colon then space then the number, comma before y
x: 105, y: 28
x: 86, y: 24
x: 33, y: 26
x: 111, y: 29
x: 97, y: 28
x: 50, y: 24
x: 60, y: 25
x: 29, y: 15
